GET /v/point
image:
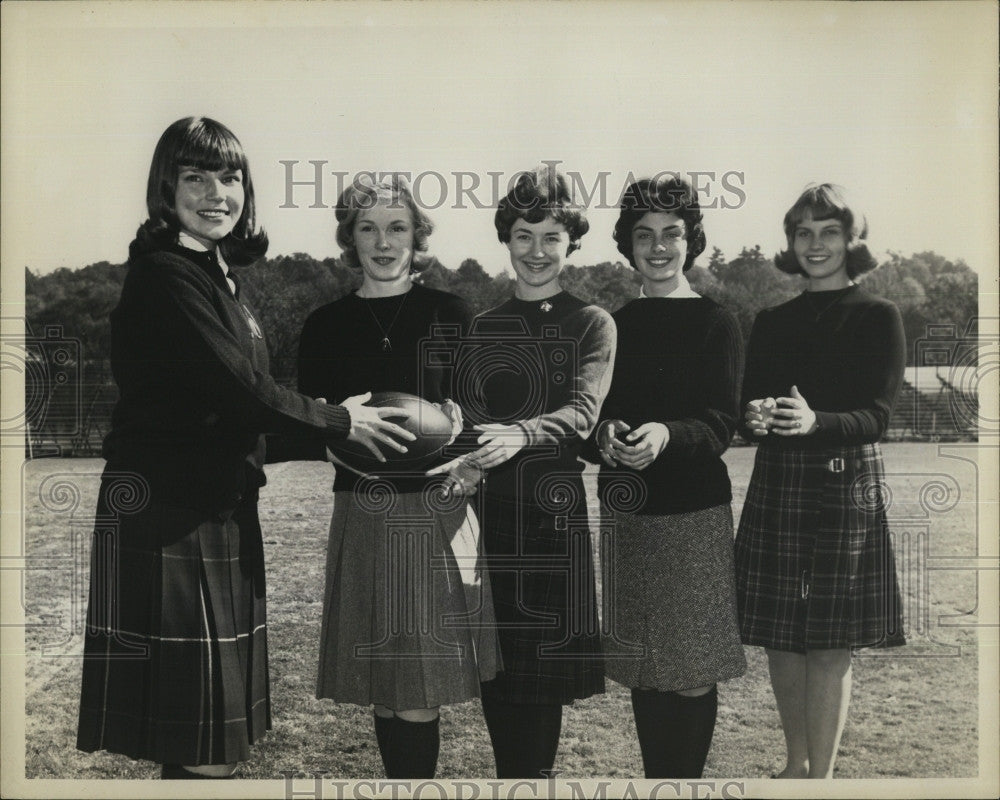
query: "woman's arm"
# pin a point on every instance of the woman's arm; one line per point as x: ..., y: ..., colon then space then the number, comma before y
x: 754, y: 380
x: 589, y: 386
x: 882, y: 359
x: 710, y: 430
x: 216, y: 368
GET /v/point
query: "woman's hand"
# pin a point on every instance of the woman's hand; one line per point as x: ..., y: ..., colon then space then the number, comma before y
x: 500, y: 443
x: 793, y: 417
x: 643, y: 446
x: 368, y: 425
x: 464, y: 476
x: 606, y: 434
x: 453, y: 412
x: 759, y: 415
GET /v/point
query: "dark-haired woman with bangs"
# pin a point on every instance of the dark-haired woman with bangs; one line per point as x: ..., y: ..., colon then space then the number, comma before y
x: 816, y: 576
x: 669, y: 590
x: 175, y: 653
x: 535, y: 384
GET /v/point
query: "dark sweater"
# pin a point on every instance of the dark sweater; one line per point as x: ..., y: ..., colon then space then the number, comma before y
x: 844, y: 349
x: 195, y: 393
x: 549, y: 371
x: 340, y: 352
x: 679, y: 362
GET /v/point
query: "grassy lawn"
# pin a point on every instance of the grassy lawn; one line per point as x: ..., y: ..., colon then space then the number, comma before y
x: 913, y: 712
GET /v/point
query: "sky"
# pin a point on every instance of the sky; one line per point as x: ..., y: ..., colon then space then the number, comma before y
x: 895, y: 101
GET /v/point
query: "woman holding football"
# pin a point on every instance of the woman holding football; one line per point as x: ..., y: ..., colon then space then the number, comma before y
x: 537, y: 373
x: 407, y: 617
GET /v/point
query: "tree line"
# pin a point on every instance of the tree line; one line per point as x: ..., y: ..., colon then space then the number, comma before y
x: 927, y: 288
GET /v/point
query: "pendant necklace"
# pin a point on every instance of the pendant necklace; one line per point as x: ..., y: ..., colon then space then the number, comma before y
x: 386, y: 344
x: 812, y: 307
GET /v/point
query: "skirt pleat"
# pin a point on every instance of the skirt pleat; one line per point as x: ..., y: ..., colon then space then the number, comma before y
x: 407, y: 616
x: 814, y: 561
x: 175, y: 652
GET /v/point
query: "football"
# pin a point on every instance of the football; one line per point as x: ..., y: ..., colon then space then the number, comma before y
x: 427, y: 422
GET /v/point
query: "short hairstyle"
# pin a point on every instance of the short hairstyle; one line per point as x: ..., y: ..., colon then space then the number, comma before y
x: 827, y: 201
x: 364, y: 192
x: 666, y: 192
x: 537, y: 195
x: 199, y: 143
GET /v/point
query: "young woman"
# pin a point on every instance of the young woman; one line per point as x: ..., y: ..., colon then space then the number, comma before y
x: 175, y: 666
x: 407, y: 618
x: 536, y: 383
x: 669, y: 592
x: 815, y: 571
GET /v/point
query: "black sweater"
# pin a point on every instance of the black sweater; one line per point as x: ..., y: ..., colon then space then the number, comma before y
x: 679, y: 362
x: 547, y: 366
x: 341, y: 355
x: 844, y: 349
x: 195, y: 393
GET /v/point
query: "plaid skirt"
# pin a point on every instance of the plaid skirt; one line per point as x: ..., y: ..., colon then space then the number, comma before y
x: 175, y: 651
x: 814, y: 563
x: 670, y: 600
x: 542, y: 571
x: 407, y: 613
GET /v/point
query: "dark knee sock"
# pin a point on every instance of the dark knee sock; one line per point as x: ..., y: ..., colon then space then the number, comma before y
x: 384, y: 728
x: 525, y: 738
x: 675, y: 731
x: 411, y: 748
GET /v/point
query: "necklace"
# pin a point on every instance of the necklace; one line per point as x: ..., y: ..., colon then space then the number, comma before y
x: 820, y: 312
x: 386, y: 344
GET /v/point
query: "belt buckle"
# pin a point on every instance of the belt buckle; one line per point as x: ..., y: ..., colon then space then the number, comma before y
x: 836, y: 465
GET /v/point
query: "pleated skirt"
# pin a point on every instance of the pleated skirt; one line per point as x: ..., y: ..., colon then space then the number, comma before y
x: 407, y: 615
x: 175, y: 651
x: 542, y: 572
x: 669, y: 599
x: 814, y: 562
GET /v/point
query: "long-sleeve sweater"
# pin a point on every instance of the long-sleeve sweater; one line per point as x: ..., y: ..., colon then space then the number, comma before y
x: 195, y: 394
x: 545, y: 366
x: 340, y: 353
x: 679, y: 363
x: 844, y: 349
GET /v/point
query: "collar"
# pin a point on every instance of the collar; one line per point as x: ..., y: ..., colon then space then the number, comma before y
x: 682, y: 289
x: 210, y: 260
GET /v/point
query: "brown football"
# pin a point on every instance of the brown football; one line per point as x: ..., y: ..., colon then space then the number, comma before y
x: 427, y: 422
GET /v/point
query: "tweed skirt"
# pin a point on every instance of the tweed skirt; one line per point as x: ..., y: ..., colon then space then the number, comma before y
x: 814, y: 561
x: 175, y: 650
x: 542, y: 571
x: 669, y: 599
x: 407, y: 614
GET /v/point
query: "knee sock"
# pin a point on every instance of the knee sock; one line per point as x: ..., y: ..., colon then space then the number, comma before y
x: 384, y: 727
x: 415, y: 748
x: 408, y: 749
x: 525, y: 737
x: 675, y: 731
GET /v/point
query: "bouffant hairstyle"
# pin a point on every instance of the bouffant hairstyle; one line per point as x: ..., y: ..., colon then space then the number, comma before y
x: 197, y: 143
x: 666, y: 192
x: 365, y: 192
x: 537, y: 195
x: 821, y: 202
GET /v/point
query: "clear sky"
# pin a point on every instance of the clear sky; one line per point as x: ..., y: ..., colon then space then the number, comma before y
x: 896, y: 101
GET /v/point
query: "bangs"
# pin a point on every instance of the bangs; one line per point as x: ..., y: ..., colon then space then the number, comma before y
x: 210, y: 148
x: 821, y: 203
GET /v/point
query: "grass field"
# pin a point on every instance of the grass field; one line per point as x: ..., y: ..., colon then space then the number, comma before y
x: 913, y: 713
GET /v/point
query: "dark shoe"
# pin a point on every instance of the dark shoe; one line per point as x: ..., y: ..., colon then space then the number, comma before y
x: 174, y: 772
